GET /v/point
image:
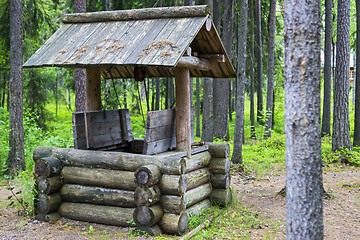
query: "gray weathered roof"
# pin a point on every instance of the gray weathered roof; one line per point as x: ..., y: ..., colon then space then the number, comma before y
x: 118, y: 46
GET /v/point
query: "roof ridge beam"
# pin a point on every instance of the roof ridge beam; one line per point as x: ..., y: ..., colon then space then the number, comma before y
x: 204, y: 62
x: 138, y: 14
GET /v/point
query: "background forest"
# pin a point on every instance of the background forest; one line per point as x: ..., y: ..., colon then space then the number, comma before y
x: 49, y: 93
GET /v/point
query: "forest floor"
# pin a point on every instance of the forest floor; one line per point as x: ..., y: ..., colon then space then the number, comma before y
x: 258, y: 195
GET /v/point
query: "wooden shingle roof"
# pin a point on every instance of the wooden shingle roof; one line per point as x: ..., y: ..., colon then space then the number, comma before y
x: 117, y: 46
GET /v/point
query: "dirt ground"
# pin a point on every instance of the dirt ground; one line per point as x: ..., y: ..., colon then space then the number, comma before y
x: 259, y: 194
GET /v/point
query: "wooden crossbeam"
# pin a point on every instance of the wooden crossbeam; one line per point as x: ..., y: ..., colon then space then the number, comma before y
x: 202, y: 62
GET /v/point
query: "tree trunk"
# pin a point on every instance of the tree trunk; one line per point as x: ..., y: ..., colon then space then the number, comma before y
x: 98, y: 214
x: 252, y: 67
x: 97, y: 195
x: 16, y: 157
x: 198, y: 104
x: 174, y: 223
x: 198, y: 161
x: 304, y: 209
x: 197, y: 178
x: 208, y: 117
x: 147, y: 196
x: 173, y: 204
x: 341, y: 125
x: 157, y: 100
x: 48, y: 185
x: 326, y: 117
x: 259, y: 63
x: 197, y: 194
x: 219, y: 165
x: 240, y: 84
x: 80, y: 73
x: 48, y: 203
x: 357, y: 79
x: 173, y: 185
x: 219, y: 150
x: 148, y: 216
x: 271, y: 68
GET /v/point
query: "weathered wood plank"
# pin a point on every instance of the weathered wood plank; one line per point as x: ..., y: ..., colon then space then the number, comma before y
x: 159, y: 146
x: 160, y: 118
x: 93, y: 89
x: 159, y: 133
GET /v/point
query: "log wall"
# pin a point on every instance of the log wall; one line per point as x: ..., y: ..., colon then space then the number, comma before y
x: 158, y: 194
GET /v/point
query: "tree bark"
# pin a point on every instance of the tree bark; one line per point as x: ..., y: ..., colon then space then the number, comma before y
x: 197, y: 194
x: 97, y: 195
x: 173, y: 185
x: 198, y: 161
x: 16, y: 157
x: 251, y: 26
x: 326, y: 117
x: 148, y: 216
x: 174, y: 223
x: 304, y: 209
x: 147, y: 196
x: 196, y: 178
x: 341, y: 125
x: 208, y: 117
x: 357, y: 79
x: 198, y: 104
x: 115, y: 216
x: 222, y: 197
x: 220, y: 180
x: 219, y: 165
x: 271, y: 68
x: 259, y: 63
x: 48, y: 185
x: 173, y: 204
x: 219, y: 150
x: 48, y: 203
x: 199, y: 207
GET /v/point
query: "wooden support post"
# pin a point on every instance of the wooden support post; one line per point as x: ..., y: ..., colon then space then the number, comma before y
x: 183, y: 123
x: 93, y: 89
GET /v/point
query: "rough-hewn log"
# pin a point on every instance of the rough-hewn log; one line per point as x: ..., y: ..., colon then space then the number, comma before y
x: 197, y: 178
x: 51, y: 217
x: 97, y: 213
x: 97, y: 195
x: 219, y: 165
x: 107, y: 178
x: 222, y: 197
x: 47, y: 167
x: 152, y: 231
x: 219, y: 150
x: 172, y: 204
x: 197, y: 63
x: 174, y: 223
x: 47, y: 203
x: 48, y: 185
x: 138, y: 14
x: 220, y: 180
x: 148, y: 175
x: 198, y: 161
x: 148, y: 216
x: 197, y: 194
x: 110, y: 160
x: 199, y: 207
x: 147, y: 196
x: 173, y: 184
x: 183, y: 121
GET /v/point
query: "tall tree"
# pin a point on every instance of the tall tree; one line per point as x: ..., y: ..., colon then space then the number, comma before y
x: 271, y: 68
x: 16, y: 157
x: 259, y: 63
x: 357, y: 79
x: 251, y: 67
x: 326, y: 116
x: 198, y: 104
x: 80, y: 73
x: 341, y: 125
x: 304, y: 189
x: 241, y: 78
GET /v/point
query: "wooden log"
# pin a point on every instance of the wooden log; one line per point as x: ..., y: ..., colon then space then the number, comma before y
x: 197, y: 194
x: 51, y: 217
x: 220, y: 180
x: 97, y: 195
x: 97, y: 213
x: 174, y: 223
x: 93, y: 89
x: 219, y: 165
x: 198, y: 161
x: 199, y: 207
x: 173, y: 184
x: 148, y: 175
x: 98, y: 177
x: 197, y: 63
x: 173, y: 204
x: 138, y: 14
x: 148, y: 216
x: 197, y: 178
x: 147, y: 196
x: 47, y: 166
x: 222, y: 197
x: 183, y: 121
x: 48, y: 185
x: 219, y: 150
x: 152, y: 231
x: 111, y: 160
x: 47, y: 203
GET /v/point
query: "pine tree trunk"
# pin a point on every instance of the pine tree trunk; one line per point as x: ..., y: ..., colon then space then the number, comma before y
x: 357, y: 79
x: 207, y: 118
x: 271, y: 68
x: 198, y: 103
x: 326, y: 117
x: 302, y: 120
x: 251, y: 68
x: 16, y: 157
x: 259, y: 67
x: 341, y: 125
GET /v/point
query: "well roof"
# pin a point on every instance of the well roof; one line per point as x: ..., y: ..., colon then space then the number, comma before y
x: 117, y: 46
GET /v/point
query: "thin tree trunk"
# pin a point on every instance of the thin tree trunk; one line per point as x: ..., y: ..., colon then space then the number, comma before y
x: 241, y: 78
x: 304, y: 188
x: 271, y: 68
x: 252, y: 67
x: 357, y: 79
x: 326, y: 117
x: 124, y: 92
x: 341, y: 125
x: 80, y: 73
x: 157, y: 102
x: 259, y: 67
x: 16, y: 158
x: 197, y: 107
